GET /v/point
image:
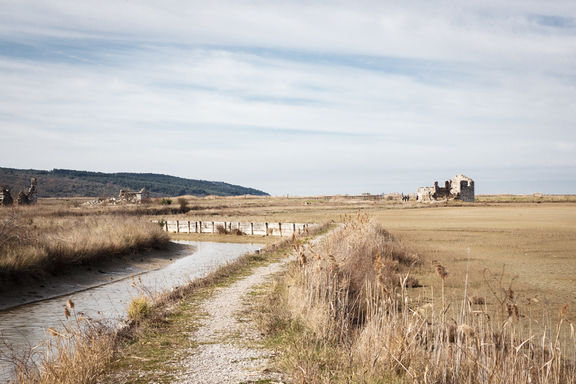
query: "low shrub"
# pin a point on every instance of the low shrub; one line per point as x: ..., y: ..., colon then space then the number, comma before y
x: 138, y: 308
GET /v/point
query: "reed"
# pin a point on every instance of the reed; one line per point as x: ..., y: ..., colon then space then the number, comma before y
x: 357, y: 320
x: 83, y: 349
x: 40, y: 244
x: 78, y: 352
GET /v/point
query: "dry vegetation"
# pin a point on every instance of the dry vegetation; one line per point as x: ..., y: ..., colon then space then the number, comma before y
x: 345, y: 313
x: 531, y: 240
x: 31, y: 241
x: 76, y: 353
x: 510, y: 257
x: 91, y: 351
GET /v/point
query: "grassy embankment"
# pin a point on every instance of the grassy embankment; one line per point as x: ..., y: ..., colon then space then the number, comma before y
x: 88, y: 351
x: 33, y: 242
x: 345, y: 313
x: 150, y: 350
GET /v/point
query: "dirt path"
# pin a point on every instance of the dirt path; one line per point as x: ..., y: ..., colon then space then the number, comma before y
x: 228, y: 350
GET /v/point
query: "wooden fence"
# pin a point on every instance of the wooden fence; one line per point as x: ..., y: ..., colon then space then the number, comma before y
x: 247, y: 228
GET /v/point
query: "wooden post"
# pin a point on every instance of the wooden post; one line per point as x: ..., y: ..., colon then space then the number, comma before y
x: 177, y: 226
x: 213, y: 228
x: 280, y: 228
x: 251, y: 228
x: 266, y: 229
x: 188, y: 226
x: 294, y: 228
x: 199, y: 227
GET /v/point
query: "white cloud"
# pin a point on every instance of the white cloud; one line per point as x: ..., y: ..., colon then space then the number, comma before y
x: 252, y: 90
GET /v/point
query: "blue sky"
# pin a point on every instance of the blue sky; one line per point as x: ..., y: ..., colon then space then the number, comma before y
x: 295, y: 97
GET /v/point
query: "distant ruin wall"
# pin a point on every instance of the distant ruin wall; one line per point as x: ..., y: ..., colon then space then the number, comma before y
x: 459, y: 188
x: 467, y: 191
x: 140, y: 196
x: 30, y: 196
x: 5, y: 196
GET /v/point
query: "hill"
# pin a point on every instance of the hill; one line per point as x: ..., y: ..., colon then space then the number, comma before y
x: 70, y: 183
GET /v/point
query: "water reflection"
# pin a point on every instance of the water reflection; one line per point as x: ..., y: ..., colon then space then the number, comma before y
x: 26, y: 325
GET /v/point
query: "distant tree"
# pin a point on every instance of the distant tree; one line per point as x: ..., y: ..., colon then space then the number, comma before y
x: 183, y: 204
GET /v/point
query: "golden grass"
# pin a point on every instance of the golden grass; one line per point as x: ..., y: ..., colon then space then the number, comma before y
x: 138, y: 308
x: 534, y: 245
x: 76, y: 353
x: 531, y: 240
x: 156, y: 338
x: 528, y: 241
x: 534, y: 241
x: 86, y: 351
x: 340, y: 316
x: 37, y: 243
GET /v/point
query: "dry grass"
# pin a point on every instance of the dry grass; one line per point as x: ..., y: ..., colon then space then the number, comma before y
x: 534, y: 245
x: 138, y: 309
x: 343, y: 313
x: 531, y: 240
x: 76, y: 353
x: 40, y: 244
x: 528, y: 240
x: 156, y: 337
x: 84, y: 349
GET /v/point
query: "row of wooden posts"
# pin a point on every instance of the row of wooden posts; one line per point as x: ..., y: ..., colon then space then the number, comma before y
x: 248, y: 228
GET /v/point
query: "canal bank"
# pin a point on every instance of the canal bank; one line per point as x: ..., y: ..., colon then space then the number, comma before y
x: 106, y: 300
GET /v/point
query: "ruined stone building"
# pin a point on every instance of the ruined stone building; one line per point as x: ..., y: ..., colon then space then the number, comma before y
x: 5, y: 196
x: 30, y: 196
x: 133, y: 196
x: 459, y: 188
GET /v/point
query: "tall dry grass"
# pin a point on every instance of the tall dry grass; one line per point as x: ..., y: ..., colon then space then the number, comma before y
x: 357, y: 320
x: 82, y: 350
x: 78, y: 352
x: 39, y: 244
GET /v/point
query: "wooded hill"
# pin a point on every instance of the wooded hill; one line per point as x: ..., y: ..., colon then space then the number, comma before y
x: 70, y: 183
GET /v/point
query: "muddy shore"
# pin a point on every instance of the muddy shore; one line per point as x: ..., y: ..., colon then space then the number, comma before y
x: 29, y: 288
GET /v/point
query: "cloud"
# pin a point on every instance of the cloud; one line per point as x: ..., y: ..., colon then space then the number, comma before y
x: 310, y: 92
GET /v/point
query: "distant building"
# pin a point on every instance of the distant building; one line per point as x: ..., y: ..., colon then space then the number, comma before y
x: 5, y: 196
x: 459, y: 188
x: 30, y: 196
x: 140, y: 196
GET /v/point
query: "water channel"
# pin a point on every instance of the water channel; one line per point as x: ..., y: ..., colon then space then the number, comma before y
x: 27, y: 324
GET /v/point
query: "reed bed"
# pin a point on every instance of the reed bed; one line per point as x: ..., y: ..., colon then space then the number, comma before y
x: 84, y: 350
x: 39, y: 244
x: 78, y: 352
x: 347, y: 312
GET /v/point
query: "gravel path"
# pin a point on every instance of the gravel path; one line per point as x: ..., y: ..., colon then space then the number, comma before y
x: 228, y: 351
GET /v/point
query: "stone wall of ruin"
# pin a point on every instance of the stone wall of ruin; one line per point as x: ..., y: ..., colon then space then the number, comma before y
x: 459, y: 188
x: 467, y: 191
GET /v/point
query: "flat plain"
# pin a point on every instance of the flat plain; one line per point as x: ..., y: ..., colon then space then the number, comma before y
x: 525, y: 243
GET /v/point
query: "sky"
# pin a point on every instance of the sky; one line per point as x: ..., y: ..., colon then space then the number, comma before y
x: 295, y: 97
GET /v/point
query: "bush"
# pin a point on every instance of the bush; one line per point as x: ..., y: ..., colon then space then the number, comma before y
x: 138, y: 308
x: 183, y: 203
x: 165, y: 201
